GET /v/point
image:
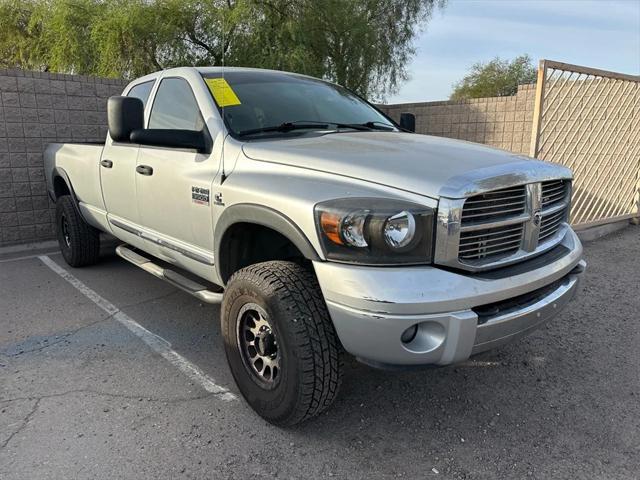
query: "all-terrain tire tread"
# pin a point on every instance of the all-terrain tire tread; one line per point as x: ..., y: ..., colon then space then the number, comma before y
x: 85, y: 239
x: 315, y: 336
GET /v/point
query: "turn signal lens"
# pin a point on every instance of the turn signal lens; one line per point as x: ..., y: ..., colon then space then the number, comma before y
x: 330, y: 223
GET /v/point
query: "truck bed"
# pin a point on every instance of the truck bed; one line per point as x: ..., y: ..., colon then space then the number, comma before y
x: 80, y: 162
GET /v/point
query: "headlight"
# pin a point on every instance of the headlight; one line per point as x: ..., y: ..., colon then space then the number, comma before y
x: 375, y: 231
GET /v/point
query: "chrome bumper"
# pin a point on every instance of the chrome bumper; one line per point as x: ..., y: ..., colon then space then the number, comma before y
x: 372, y: 307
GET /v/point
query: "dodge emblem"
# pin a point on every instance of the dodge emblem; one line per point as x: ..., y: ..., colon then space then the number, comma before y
x: 537, y: 217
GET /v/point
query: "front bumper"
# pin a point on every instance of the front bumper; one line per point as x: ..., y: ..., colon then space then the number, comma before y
x: 457, y: 314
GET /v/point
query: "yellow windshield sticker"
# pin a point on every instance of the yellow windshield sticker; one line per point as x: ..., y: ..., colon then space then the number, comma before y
x: 222, y: 92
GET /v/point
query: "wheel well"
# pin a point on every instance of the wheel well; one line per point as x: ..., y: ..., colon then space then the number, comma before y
x: 60, y: 187
x: 245, y: 244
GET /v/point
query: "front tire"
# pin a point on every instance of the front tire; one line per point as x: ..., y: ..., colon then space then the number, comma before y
x: 280, y: 343
x: 79, y: 242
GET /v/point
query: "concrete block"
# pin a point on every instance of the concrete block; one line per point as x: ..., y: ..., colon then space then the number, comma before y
x: 59, y: 102
x: 27, y: 232
x: 28, y: 100
x: 36, y: 174
x: 8, y: 84
x: 42, y: 85
x: 73, y: 88
x: 7, y: 205
x: 23, y: 204
x: 32, y: 130
x: 34, y: 159
x: 19, y: 175
x: 12, y: 114
x: 10, y: 99
x: 25, y: 84
x: 46, y: 115
x: 29, y: 114
x: 16, y: 145
x: 18, y: 160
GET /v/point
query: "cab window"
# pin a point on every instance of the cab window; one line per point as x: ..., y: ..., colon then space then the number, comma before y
x: 175, y: 107
x: 141, y: 91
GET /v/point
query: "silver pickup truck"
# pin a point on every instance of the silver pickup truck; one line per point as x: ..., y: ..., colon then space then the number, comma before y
x: 320, y: 225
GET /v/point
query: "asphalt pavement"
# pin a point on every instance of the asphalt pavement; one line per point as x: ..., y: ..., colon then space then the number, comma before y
x: 85, y: 393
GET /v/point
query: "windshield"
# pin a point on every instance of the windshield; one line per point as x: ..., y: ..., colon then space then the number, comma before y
x: 251, y: 101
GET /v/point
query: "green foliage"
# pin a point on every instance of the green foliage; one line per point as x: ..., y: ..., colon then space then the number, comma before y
x: 496, y: 78
x: 362, y: 44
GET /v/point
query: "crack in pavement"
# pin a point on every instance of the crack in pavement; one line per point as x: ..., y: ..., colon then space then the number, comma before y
x: 27, y: 419
x: 25, y: 422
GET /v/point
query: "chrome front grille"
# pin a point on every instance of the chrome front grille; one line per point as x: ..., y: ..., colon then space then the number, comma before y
x: 494, y: 205
x: 488, y: 242
x: 553, y: 192
x: 554, y: 203
x: 480, y: 237
x: 503, y: 226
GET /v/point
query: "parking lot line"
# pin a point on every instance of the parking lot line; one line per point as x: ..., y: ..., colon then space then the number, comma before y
x: 155, y: 342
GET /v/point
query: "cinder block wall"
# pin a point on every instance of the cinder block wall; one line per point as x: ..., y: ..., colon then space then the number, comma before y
x: 36, y: 109
x: 503, y: 122
x: 40, y: 108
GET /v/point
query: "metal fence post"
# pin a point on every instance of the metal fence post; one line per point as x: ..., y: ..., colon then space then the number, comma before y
x: 537, y: 108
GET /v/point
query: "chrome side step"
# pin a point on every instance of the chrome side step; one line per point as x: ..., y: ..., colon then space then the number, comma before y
x: 174, y: 278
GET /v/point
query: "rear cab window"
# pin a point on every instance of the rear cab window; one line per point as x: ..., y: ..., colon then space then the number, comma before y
x: 142, y: 91
x: 175, y: 107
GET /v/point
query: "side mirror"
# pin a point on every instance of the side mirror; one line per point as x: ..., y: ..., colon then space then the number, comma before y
x: 124, y: 115
x: 408, y: 121
x: 192, y: 139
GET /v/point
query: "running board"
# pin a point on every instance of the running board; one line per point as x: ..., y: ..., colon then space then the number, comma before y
x: 174, y: 278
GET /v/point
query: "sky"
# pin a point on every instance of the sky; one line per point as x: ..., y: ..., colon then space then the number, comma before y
x: 603, y: 34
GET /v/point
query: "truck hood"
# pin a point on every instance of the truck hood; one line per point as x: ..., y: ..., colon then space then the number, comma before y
x: 422, y: 164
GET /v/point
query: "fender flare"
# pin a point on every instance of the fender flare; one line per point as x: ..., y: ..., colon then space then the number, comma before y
x: 60, y: 172
x: 265, y: 216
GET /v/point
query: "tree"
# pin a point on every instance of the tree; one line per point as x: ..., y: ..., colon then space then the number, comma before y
x: 362, y: 44
x: 496, y: 78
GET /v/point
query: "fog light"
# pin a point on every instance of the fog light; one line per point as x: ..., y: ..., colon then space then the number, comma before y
x: 409, y: 334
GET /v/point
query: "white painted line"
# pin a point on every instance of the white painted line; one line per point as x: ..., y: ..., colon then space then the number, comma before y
x: 155, y: 342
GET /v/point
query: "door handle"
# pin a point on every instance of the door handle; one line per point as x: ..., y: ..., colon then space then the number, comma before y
x: 144, y: 170
x: 106, y: 163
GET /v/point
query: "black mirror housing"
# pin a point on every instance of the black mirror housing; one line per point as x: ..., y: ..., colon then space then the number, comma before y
x: 124, y: 115
x: 192, y: 139
x: 408, y: 121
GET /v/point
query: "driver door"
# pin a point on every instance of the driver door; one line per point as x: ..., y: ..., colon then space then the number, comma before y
x: 174, y: 184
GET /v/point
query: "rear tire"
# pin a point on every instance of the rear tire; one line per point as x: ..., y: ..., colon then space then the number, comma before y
x: 280, y: 342
x: 79, y: 242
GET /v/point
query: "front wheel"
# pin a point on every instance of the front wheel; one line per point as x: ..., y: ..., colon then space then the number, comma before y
x: 79, y: 242
x: 280, y: 343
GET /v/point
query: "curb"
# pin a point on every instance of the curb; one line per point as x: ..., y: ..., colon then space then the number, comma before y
x: 28, y: 247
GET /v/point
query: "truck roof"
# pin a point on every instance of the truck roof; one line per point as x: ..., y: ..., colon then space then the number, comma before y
x: 208, y: 70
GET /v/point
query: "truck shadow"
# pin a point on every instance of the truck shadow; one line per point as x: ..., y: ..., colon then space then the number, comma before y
x: 545, y: 396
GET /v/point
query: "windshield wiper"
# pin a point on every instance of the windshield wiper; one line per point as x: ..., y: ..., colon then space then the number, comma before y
x: 305, y: 124
x: 284, y: 127
x: 366, y: 126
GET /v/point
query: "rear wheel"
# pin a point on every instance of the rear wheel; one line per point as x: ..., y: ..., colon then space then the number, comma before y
x: 79, y: 242
x: 281, y: 345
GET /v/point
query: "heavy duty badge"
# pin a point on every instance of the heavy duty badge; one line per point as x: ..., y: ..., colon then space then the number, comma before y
x: 200, y: 195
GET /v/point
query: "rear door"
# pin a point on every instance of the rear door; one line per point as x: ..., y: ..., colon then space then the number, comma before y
x: 118, y: 179
x: 174, y: 185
